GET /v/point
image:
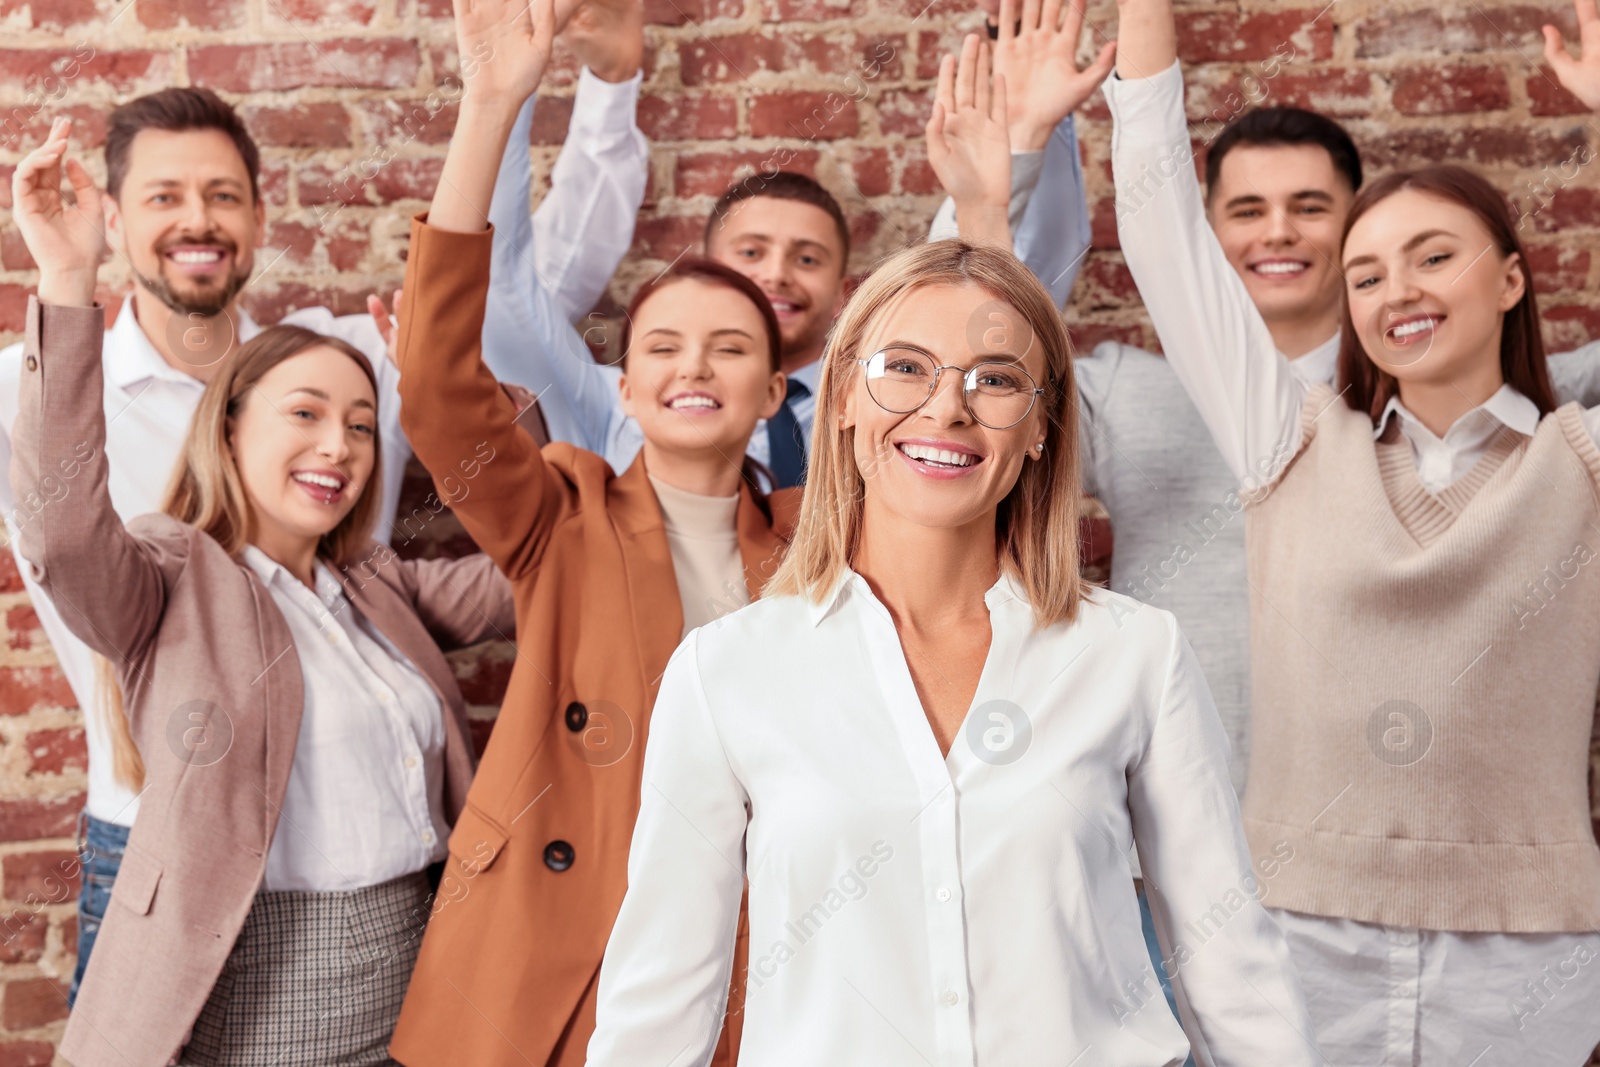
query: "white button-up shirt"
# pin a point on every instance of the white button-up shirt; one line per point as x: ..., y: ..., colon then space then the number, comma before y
x: 908, y: 908
x: 149, y: 402
x: 365, y: 800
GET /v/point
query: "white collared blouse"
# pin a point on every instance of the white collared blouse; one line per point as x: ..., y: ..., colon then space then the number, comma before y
x: 911, y: 908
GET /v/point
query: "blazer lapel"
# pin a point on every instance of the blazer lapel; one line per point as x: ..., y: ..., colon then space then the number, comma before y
x: 760, y: 546
x: 652, y: 581
x: 283, y: 693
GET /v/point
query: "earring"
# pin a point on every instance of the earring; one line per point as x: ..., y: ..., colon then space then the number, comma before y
x: 1038, y: 449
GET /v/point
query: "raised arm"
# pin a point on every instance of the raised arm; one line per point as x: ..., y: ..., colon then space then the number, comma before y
x: 1213, y: 336
x: 461, y: 601
x: 452, y: 407
x: 968, y: 143
x: 664, y: 980
x: 1237, y: 993
x: 67, y: 529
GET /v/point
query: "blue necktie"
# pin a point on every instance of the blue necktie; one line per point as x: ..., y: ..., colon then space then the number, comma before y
x: 786, y: 447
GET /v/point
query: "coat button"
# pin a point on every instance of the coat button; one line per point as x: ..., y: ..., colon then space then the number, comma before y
x: 577, y: 716
x: 558, y: 855
x: 33, y: 362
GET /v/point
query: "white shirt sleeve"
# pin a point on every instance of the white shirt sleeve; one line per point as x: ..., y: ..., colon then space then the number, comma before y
x: 1212, y: 334
x: 664, y: 982
x: 1234, y: 982
x: 1048, y: 213
x: 528, y: 336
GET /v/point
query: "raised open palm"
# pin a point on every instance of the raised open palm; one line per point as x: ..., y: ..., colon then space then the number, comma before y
x: 66, y: 236
x: 1038, y: 57
x: 504, y: 45
x: 968, y: 145
x: 1581, y: 76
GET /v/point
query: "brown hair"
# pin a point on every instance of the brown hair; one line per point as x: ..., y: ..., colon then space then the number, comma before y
x: 782, y: 185
x: 1367, y: 387
x: 708, y: 270
x: 206, y: 492
x: 1037, y: 522
x: 176, y: 110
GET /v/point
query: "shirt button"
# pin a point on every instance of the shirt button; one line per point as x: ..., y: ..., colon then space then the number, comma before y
x: 382, y: 695
x: 411, y: 761
x: 942, y: 894
x: 427, y: 837
x: 951, y: 997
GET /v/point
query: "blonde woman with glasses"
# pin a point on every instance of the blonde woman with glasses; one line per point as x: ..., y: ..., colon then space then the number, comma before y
x: 931, y: 748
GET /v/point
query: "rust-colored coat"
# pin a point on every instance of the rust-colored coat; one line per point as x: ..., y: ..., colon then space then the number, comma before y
x: 538, y: 859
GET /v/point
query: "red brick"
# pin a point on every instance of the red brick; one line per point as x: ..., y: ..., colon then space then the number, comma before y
x: 199, y: 14
x: 33, y: 1002
x: 22, y: 627
x: 1451, y: 90
x: 811, y: 10
x: 871, y: 170
x: 349, y: 63
x: 14, y: 255
x: 682, y: 12
x: 48, y: 876
x: 1336, y: 93
x: 123, y: 71
x: 1103, y: 224
x: 322, y: 13
x: 550, y: 120
x: 25, y: 126
x: 435, y: 9
x: 1085, y: 335
x: 26, y: 1054
x: 486, y: 680
x: 1106, y: 283
x: 1462, y: 30
x: 22, y: 937
x: 1557, y: 269
x: 904, y: 112
x: 24, y: 688
x: 1570, y: 326
x: 1230, y: 36
x: 424, y: 119
x: 710, y: 173
x: 730, y: 57
x: 36, y: 818
x: 50, y: 14
x: 664, y: 237
x: 1547, y: 97
x: 809, y: 116
x: 13, y: 306
x: 1554, y: 208
x: 916, y: 176
x: 10, y: 579
x: 1510, y: 144
x: 321, y: 125
x: 56, y: 751
x: 320, y: 185
x: 271, y: 305
x: 408, y: 179
x: 681, y: 116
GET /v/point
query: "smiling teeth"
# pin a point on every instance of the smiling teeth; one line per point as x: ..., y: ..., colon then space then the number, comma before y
x: 693, y: 402
x: 1279, y: 268
x: 197, y: 257
x: 939, y: 455
x: 323, y: 480
x: 1411, y: 329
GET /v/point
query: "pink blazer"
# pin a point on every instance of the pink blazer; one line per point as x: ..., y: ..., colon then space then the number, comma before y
x: 192, y: 630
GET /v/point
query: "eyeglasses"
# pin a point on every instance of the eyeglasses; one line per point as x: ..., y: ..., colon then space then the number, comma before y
x: 997, y: 395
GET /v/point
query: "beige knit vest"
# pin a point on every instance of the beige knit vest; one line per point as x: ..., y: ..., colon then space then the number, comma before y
x: 1424, y: 669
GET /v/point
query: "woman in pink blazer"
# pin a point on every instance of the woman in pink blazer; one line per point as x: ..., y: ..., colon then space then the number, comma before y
x: 301, y: 739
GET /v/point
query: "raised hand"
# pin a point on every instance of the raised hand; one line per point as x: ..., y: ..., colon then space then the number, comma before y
x: 607, y: 36
x: 968, y: 144
x: 1039, y: 61
x: 1581, y: 76
x: 66, y: 236
x: 387, y: 328
x: 504, y: 46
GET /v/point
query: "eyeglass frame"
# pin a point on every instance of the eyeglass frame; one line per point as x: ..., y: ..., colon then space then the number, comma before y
x: 966, y: 374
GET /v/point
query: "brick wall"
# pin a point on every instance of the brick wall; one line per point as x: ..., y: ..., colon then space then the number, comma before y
x: 349, y: 101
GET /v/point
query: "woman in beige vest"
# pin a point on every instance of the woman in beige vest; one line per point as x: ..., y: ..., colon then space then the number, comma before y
x: 1425, y: 618
x: 299, y: 737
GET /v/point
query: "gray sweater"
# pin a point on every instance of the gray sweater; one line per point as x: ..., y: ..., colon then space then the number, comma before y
x: 1176, y: 516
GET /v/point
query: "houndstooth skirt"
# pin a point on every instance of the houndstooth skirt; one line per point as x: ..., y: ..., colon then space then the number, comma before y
x: 314, y: 980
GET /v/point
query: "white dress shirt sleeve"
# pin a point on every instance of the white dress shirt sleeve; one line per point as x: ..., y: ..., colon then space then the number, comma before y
x: 664, y: 982
x: 1048, y: 213
x: 1236, y: 993
x: 1212, y: 334
x: 527, y: 326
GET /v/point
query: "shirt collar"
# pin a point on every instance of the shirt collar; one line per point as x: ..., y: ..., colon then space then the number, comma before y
x: 1507, y: 406
x: 270, y: 571
x: 1318, y: 366
x: 1005, y: 590
x: 808, y: 375
x: 130, y: 358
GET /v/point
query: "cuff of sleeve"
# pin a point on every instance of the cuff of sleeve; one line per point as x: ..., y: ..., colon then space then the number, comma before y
x: 62, y: 329
x: 602, y: 107
x: 436, y: 242
x: 1148, y: 110
x: 1025, y: 170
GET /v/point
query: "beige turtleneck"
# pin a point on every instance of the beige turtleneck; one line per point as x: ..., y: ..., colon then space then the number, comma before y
x: 703, y: 534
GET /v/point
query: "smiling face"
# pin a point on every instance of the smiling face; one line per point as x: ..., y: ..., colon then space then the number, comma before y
x: 1278, y: 211
x: 304, y: 442
x: 698, y: 374
x: 938, y: 466
x: 792, y: 251
x: 1429, y: 288
x: 185, y: 218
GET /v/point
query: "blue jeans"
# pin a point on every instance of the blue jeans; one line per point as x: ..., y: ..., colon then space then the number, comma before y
x: 1154, y: 948
x: 100, y: 848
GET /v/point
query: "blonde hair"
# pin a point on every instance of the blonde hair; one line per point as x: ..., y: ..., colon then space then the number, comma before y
x: 206, y: 492
x: 1036, y: 526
